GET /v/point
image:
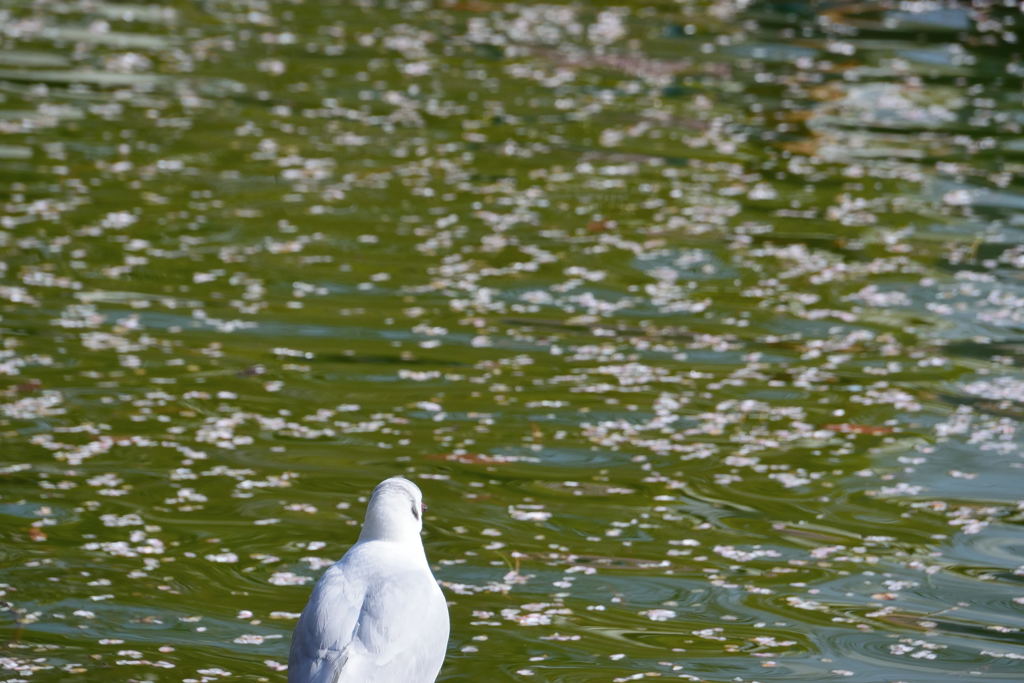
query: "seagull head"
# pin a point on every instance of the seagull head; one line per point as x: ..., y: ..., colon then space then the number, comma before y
x: 395, y: 512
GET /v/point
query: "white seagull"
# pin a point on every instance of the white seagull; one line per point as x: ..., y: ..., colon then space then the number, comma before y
x: 377, y: 615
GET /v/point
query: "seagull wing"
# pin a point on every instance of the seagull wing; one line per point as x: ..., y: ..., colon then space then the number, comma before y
x: 403, y: 629
x: 322, y: 638
x: 392, y: 628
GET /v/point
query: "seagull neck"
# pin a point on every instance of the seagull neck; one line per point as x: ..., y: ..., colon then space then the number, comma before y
x: 386, y: 528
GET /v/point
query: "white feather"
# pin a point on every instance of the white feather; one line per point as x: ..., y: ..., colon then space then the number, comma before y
x: 376, y: 615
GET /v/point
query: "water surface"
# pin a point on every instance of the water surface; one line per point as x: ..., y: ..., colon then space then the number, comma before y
x: 700, y: 324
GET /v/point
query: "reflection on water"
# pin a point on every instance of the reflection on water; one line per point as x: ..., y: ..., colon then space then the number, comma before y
x: 699, y: 325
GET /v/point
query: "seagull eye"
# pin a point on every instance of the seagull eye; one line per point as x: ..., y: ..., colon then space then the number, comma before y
x: 415, y: 511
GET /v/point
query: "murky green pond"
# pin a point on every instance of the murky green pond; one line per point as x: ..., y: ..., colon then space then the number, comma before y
x: 700, y: 324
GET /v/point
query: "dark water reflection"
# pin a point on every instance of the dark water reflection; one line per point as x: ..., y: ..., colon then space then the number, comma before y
x: 699, y: 324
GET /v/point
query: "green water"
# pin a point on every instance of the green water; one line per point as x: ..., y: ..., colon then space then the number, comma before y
x: 700, y: 325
